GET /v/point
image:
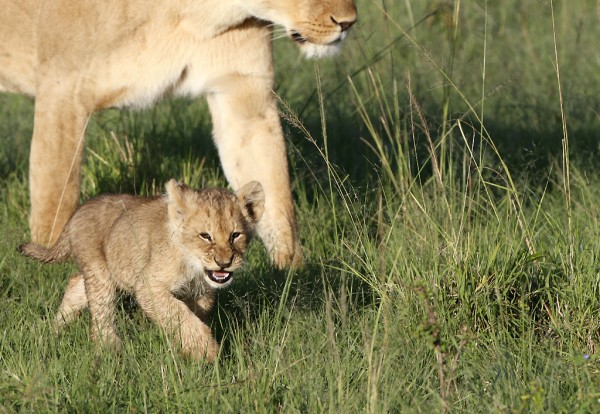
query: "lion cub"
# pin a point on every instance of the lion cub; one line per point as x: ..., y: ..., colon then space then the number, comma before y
x: 170, y: 252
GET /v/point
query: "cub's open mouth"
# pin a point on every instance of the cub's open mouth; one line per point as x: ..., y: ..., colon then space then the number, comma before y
x: 219, y: 276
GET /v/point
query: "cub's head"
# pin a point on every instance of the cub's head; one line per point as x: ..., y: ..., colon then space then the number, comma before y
x: 213, y: 226
x: 317, y: 26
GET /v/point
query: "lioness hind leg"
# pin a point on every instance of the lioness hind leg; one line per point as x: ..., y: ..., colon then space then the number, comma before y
x: 73, y: 302
x: 54, y: 162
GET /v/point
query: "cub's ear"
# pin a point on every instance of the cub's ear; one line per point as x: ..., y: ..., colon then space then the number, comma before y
x: 175, y: 198
x: 252, y: 201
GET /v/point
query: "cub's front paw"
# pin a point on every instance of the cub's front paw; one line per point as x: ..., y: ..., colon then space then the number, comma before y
x: 108, y: 342
x: 203, y: 350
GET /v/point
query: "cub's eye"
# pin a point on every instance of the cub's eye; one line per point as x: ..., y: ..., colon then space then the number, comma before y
x: 234, y: 236
x: 205, y: 237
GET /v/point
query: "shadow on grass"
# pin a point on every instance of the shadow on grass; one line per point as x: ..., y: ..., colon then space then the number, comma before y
x: 268, y: 290
x: 133, y: 152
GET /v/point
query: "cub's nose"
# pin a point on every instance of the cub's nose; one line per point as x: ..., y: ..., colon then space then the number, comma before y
x: 224, y: 263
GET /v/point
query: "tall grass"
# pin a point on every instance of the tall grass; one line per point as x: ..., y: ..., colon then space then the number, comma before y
x: 443, y: 169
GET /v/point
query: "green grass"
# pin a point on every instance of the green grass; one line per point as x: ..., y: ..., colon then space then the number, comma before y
x: 450, y: 226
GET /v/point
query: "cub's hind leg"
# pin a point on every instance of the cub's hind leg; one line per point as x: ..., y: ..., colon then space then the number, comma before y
x: 101, y: 294
x: 73, y: 302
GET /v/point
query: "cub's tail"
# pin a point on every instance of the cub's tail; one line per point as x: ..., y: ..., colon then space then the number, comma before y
x: 55, y: 254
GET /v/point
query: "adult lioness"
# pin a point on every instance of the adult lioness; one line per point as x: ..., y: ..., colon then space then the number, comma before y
x: 80, y: 56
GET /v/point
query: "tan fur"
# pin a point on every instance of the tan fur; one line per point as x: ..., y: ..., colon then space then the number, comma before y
x: 79, y: 56
x: 170, y: 252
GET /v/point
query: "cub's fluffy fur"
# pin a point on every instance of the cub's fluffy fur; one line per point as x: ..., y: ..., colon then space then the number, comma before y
x: 170, y: 252
x: 80, y: 56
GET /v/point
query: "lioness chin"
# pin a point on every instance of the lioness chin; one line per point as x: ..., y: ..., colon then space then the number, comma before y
x: 170, y: 252
x: 80, y: 56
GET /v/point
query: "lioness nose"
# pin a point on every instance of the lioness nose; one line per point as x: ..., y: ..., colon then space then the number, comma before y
x: 344, y: 22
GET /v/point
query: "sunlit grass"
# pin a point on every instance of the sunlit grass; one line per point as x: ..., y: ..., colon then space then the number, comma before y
x: 451, y: 236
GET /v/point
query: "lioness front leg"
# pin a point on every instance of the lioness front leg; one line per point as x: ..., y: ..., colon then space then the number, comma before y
x: 174, y: 316
x: 54, y: 162
x: 251, y: 147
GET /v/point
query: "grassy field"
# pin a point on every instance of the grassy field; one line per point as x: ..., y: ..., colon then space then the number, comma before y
x: 444, y: 168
